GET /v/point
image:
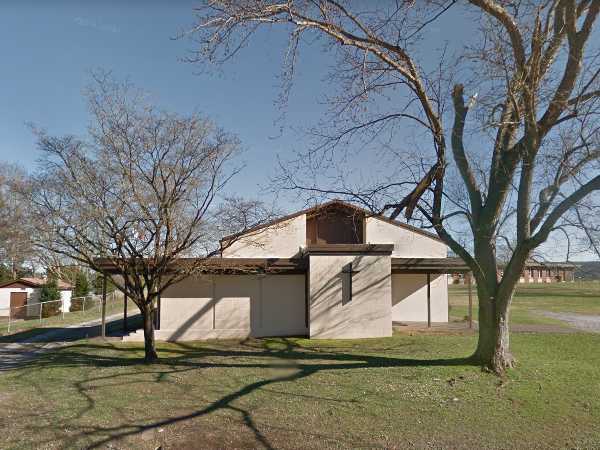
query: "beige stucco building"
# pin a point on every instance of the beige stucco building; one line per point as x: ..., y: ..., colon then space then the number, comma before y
x: 333, y: 271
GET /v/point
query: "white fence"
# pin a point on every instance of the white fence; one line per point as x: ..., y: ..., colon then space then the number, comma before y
x: 80, y: 309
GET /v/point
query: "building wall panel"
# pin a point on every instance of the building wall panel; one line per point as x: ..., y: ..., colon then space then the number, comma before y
x: 333, y: 315
x: 409, y: 298
x: 232, y: 306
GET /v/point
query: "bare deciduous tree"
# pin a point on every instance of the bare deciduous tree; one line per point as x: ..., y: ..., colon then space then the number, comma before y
x: 136, y: 196
x: 16, y: 245
x: 518, y: 108
x: 585, y: 218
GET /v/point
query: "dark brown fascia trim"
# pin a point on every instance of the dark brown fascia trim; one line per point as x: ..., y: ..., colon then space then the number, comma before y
x: 454, y: 265
x: 446, y: 260
x: 349, y: 249
x: 253, y: 265
x: 307, y: 211
x: 230, y: 265
x: 424, y: 271
x: 428, y: 265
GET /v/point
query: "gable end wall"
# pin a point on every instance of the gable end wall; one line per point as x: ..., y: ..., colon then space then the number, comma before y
x: 280, y: 240
x: 407, y: 243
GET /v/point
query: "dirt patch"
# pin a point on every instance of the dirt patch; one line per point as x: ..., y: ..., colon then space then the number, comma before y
x: 541, y: 328
x: 581, y: 322
x: 462, y: 328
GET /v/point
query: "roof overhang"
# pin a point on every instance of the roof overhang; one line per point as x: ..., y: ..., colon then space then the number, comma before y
x: 24, y: 282
x: 429, y: 265
x: 299, y: 265
x: 222, y: 265
x: 17, y: 284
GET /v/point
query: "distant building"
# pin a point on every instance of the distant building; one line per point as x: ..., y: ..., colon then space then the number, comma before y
x: 21, y: 297
x: 534, y: 272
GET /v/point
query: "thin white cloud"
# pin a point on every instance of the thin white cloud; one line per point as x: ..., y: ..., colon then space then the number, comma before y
x: 95, y: 24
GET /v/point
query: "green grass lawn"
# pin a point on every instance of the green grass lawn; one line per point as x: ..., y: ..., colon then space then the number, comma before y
x: 398, y: 392
x: 406, y: 391
x: 578, y: 297
x: 92, y: 312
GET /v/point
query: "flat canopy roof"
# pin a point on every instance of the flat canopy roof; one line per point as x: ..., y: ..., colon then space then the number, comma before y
x: 429, y: 265
x: 299, y: 265
x: 227, y: 265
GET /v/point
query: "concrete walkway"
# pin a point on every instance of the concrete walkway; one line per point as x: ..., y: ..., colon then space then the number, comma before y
x: 13, y: 354
x: 583, y: 322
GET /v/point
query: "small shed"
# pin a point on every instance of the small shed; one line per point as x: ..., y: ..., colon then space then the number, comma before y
x: 20, y: 297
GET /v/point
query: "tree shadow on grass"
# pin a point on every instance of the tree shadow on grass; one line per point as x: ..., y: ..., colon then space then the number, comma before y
x: 303, y: 361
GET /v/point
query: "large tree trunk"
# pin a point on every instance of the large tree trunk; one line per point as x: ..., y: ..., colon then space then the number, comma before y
x: 149, y: 343
x: 493, y: 348
x: 495, y: 296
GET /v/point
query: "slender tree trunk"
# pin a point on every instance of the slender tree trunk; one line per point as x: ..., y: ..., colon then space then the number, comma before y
x: 149, y: 343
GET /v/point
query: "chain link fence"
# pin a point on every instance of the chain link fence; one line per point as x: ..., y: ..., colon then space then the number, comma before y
x: 64, y: 312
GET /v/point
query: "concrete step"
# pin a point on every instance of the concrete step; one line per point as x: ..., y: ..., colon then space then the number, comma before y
x: 136, y: 336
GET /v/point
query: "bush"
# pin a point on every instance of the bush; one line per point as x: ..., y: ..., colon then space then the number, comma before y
x: 51, y: 309
x: 5, y: 274
x: 76, y: 304
x: 98, y: 285
x: 50, y: 293
x: 82, y: 286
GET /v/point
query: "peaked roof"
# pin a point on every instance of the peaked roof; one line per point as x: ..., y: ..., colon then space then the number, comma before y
x: 37, y: 282
x: 335, y: 202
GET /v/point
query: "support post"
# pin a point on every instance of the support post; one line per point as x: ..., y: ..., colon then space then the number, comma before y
x: 124, y: 313
x: 157, y: 314
x: 428, y: 300
x: 469, y: 282
x: 104, y: 306
x: 306, y: 299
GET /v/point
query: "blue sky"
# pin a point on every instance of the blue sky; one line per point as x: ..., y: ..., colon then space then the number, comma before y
x: 49, y: 47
